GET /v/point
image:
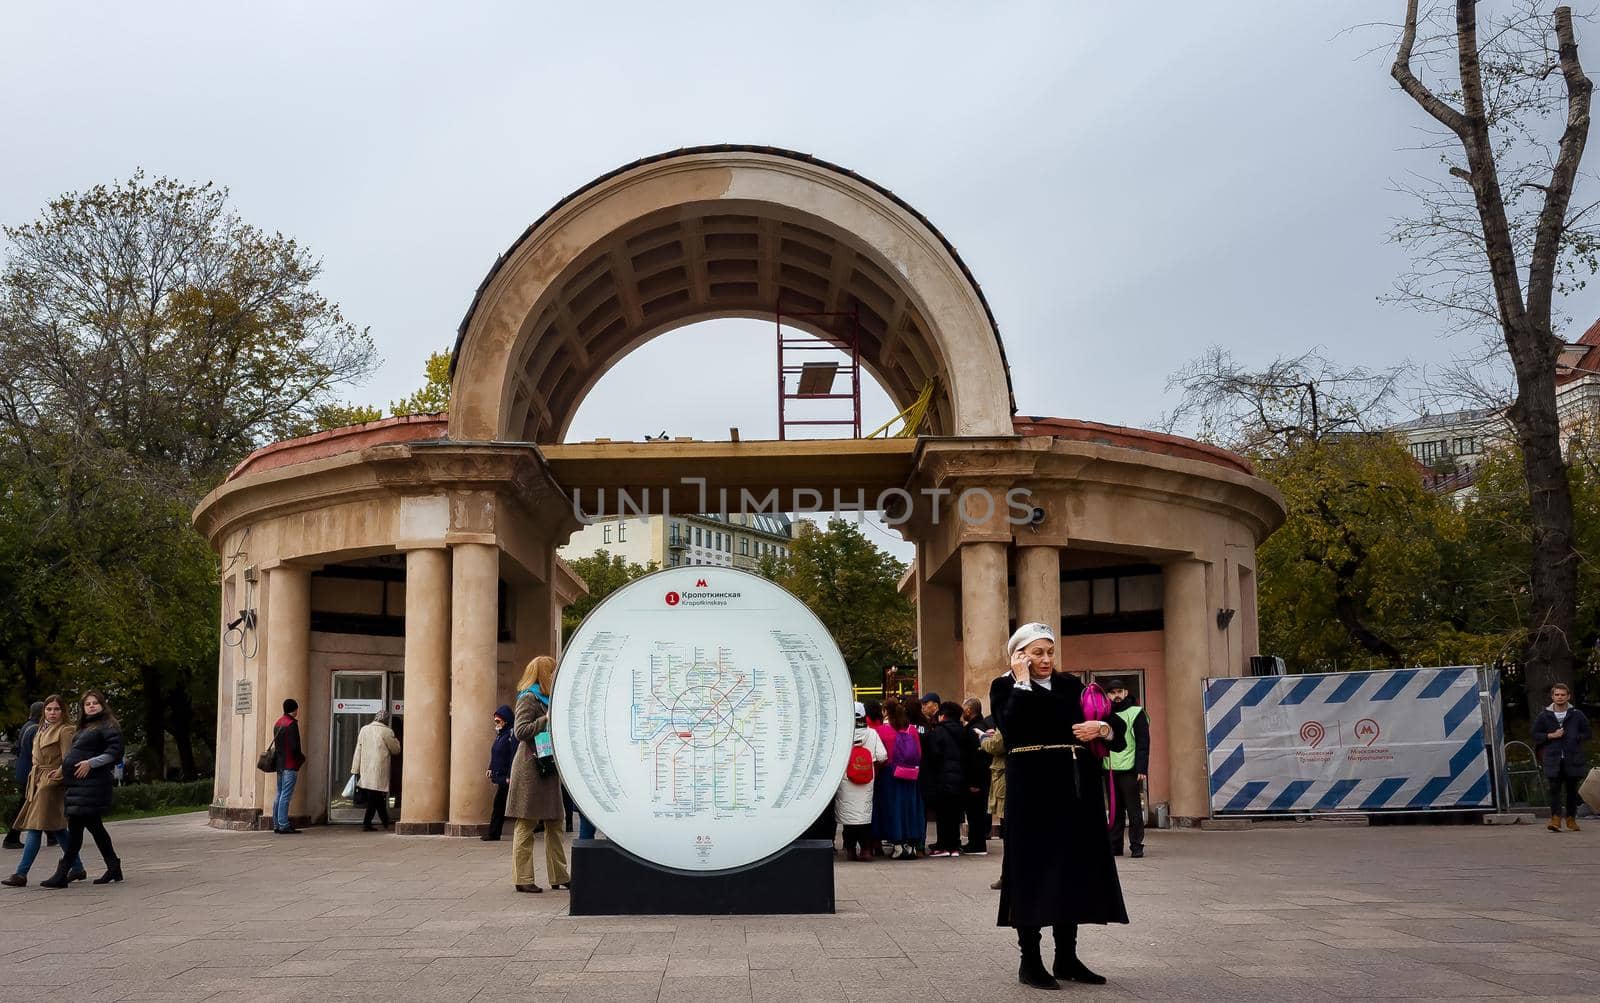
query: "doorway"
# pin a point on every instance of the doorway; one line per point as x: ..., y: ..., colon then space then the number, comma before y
x: 358, y: 695
x: 1131, y: 678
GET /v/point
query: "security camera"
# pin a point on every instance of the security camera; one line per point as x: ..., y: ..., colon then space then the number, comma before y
x: 1035, y: 516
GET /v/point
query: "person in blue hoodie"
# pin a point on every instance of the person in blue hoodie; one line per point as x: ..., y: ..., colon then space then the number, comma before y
x: 500, y: 757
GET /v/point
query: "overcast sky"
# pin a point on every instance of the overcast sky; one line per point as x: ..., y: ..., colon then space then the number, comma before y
x: 1128, y: 183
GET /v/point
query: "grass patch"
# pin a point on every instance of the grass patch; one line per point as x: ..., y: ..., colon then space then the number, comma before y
x: 175, y: 809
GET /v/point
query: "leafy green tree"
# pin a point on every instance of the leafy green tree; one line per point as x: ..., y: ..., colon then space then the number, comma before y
x: 149, y: 339
x: 603, y: 573
x: 854, y: 589
x: 434, y: 395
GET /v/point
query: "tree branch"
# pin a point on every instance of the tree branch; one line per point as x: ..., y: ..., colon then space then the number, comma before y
x: 1431, y: 103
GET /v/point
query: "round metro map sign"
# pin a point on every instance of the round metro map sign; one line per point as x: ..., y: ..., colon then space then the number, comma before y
x: 702, y: 718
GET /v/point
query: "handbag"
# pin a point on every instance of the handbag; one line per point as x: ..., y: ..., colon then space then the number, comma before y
x: 267, y: 762
x: 544, y: 754
x: 350, y: 787
x: 1590, y: 789
x: 907, y: 772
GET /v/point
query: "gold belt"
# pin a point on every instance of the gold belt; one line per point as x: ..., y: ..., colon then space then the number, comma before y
x: 1040, y: 748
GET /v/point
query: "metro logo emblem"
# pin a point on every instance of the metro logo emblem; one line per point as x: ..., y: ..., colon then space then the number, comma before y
x: 673, y: 598
x: 700, y: 584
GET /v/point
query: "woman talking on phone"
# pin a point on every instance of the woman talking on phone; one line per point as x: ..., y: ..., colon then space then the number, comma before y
x: 1057, y: 870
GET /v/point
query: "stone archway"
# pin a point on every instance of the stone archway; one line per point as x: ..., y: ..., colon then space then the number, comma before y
x: 724, y: 231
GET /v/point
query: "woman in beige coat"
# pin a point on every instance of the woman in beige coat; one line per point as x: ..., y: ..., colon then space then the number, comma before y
x: 533, y: 798
x: 374, y: 746
x: 44, y: 806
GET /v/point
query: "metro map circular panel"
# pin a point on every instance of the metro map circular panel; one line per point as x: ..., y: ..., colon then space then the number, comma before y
x: 702, y: 718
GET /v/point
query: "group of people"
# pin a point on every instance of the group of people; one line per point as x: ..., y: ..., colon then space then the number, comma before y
x: 936, y: 757
x: 66, y: 770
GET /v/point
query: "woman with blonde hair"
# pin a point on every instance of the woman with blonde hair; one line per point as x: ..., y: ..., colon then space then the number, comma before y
x: 534, y: 795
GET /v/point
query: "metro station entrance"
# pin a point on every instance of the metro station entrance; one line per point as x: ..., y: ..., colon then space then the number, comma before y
x: 356, y: 699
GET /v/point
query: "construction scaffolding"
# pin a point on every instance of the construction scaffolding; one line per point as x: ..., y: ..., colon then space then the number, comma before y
x: 810, y: 364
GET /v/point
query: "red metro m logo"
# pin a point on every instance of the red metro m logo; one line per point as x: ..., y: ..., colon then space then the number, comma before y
x: 672, y: 598
x: 1367, y: 730
x: 700, y: 584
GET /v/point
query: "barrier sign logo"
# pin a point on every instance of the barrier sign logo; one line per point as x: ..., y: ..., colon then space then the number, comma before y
x: 1367, y: 730
x: 1312, y: 733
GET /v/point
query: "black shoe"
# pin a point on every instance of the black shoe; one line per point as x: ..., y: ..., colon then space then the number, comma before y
x: 113, y: 873
x: 562, y: 885
x: 11, y: 844
x: 489, y: 839
x: 1074, y: 970
x: 15, y: 881
x: 529, y: 888
x: 77, y: 875
x: 1031, y: 973
x: 287, y: 832
x: 368, y: 828
x: 1138, y: 851
x: 56, y: 880
x: 974, y: 851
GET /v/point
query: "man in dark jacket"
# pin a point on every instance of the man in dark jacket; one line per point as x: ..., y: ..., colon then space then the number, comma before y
x: 22, y: 767
x: 501, y: 753
x: 290, y: 757
x: 948, y: 760
x: 1129, y: 769
x: 977, y: 799
x: 1558, y: 736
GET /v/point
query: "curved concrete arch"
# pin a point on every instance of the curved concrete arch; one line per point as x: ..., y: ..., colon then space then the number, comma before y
x: 718, y: 232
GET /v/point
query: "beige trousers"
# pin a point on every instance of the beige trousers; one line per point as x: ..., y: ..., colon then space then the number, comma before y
x: 555, y: 852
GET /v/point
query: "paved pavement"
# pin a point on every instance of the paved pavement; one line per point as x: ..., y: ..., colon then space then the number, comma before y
x: 1305, y: 913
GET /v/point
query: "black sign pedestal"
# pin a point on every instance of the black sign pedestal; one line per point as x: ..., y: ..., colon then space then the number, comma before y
x: 606, y: 881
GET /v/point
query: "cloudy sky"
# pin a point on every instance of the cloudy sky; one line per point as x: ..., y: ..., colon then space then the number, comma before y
x: 1128, y: 184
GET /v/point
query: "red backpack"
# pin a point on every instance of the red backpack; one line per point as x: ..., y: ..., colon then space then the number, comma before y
x: 859, y: 769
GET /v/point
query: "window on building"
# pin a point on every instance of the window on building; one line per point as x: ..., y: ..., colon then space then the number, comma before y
x: 697, y: 536
x: 1112, y: 600
x: 622, y: 532
x: 744, y: 546
x: 606, y: 533
x: 1466, y: 445
x: 675, y: 534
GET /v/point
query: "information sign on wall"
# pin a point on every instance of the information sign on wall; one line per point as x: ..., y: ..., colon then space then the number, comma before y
x: 243, y: 696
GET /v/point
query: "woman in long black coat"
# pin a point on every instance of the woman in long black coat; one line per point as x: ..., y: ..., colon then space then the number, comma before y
x: 87, y: 771
x: 1057, y: 870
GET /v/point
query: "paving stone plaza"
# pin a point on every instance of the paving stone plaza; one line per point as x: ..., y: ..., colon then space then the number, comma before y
x: 1303, y: 913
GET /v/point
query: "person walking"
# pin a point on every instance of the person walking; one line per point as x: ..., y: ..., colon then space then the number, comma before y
x: 976, y: 808
x: 854, y: 802
x: 1559, y: 733
x: 994, y: 746
x: 534, y: 793
x: 21, y: 768
x: 501, y: 753
x: 290, y: 759
x: 951, y: 755
x: 906, y: 819
x: 43, y: 806
x: 86, y: 770
x: 877, y: 721
x: 1057, y: 870
x: 1129, y: 769
x: 375, y: 747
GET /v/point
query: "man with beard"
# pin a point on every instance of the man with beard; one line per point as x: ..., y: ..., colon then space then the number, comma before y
x: 1128, y: 769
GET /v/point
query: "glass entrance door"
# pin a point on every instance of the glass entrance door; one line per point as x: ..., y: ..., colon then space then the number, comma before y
x: 357, y: 698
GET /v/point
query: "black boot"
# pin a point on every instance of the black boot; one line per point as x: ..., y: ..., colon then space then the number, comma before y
x: 113, y: 873
x: 77, y: 875
x: 1032, y: 972
x: 58, y: 879
x: 1067, y: 965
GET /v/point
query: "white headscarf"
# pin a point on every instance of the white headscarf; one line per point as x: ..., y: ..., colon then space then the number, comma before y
x: 1026, y: 635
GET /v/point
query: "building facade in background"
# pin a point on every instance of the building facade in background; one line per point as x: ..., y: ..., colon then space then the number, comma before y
x: 737, y: 540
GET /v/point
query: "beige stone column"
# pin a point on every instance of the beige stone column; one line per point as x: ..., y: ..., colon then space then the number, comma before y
x: 985, y: 623
x: 475, y: 577
x: 1189, y: 624
x: 936, y: 640
x: 288, y: 630
x: 426, y: 762
x: 1039, y: 586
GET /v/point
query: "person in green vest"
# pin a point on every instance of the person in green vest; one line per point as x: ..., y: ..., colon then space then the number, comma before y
x: 1128, y: 770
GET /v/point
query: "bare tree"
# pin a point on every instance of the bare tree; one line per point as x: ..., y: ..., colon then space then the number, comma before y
x: 1500, y: 238
x: 1294, y: 401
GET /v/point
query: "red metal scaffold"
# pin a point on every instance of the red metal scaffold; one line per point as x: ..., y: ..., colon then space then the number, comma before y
x: 814, y: 380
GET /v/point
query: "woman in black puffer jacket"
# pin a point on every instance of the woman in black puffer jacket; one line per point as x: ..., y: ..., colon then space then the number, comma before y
x: 87, y: 771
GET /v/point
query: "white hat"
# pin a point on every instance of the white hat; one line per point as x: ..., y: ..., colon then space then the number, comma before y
x: 861, y: 711
x: 1026, y: 635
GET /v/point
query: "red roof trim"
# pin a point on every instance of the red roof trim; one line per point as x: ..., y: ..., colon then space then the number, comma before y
x: 1132, y: 438
x: 320, y: 445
